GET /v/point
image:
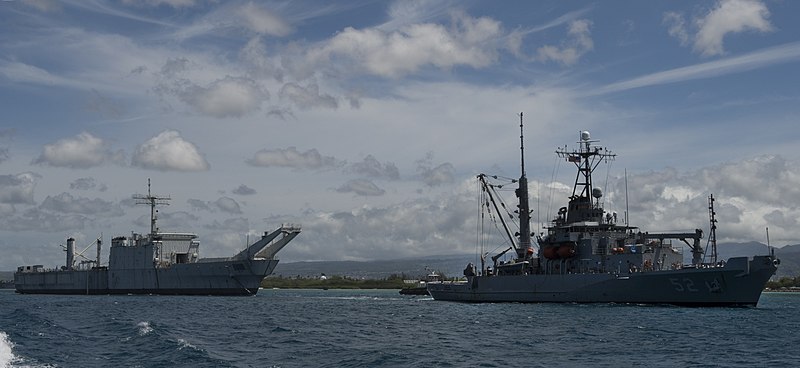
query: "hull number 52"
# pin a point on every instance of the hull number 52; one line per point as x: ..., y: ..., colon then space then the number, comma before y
x: 685, y: 284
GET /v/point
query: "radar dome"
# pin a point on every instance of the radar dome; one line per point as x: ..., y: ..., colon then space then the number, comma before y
x: 585, y: 135
x: 597, y: 193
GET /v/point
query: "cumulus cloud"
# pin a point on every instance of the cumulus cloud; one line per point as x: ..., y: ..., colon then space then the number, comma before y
x: 230, y: 96
x: 730, y: 16
x: 227, y: 97
x: 291, y: 157
x: 307, y: 97
x: 468, y: 41
x: 361, y: 187
x: 66, y: 203
x: 168, y: 151
x: 434, y: 175
x: 197, y: 204
x: 371, y: 167
x: 255, y: 59
x: 751, y: 195
x: 224, y: 204
x: 676, y: 26
x: 80, y: 152
x: 425, y: 226
x: 263, y: 21
x: 727, y: 17
x: 87, y: 184
x: 244, y: 190
x: 579, y: 43
x: 18, y: 189
x: 227, y: 204
x: 169, y: 221
x: 238, y: 225
x: 35, y: 219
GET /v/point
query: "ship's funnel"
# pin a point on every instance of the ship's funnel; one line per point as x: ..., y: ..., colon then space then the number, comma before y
x: 70, y: 253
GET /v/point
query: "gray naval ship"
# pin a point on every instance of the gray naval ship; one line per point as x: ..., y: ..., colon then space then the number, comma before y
x: 158, y: 263
x: 586, y: 256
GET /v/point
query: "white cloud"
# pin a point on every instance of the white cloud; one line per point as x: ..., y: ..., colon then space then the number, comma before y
x: 757, y: 59
x: 290, y: 157
x: 229, y: 205
x: 227, y: 97
x: 66, y: 203
x: 729, y: 16
x: 257, y: 61
x: 263, y: 21
x: 170, y: 221
x: 43, y: 221
x: 168, y: 151
x: 224, y: 204
x: 238, y: 225
x: 87, y: 184
x: 307, y: 97
x: 197, y: 204
x: 18, y: 189
x: 371, y: 167
x: 677, y: 26
x: 441, y: 174
x: 579, y: 43
x: 752, y: 194
x: 81, y: 152
x: 469, y: 41
x: 425, y: 226
x: 361, y: 187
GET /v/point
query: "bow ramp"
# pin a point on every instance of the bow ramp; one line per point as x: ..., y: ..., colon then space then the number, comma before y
x: 268, y: 246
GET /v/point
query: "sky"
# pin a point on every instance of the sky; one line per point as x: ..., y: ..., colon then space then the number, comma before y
x: 366, y: 122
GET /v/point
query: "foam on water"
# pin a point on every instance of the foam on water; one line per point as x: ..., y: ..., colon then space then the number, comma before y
x: 6, y: 355
x: 144, y: 328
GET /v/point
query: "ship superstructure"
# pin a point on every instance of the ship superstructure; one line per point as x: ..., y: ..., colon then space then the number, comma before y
x: 158, y: 263
x: 588, y: 255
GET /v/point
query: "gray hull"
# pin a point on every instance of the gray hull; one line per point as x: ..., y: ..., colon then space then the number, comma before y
x: 738, y: 283
x: 159, y: 263
x: 202, y: 278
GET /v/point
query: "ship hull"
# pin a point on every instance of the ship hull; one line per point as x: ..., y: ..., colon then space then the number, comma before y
x: 738, y: 283
x: 202, y: 278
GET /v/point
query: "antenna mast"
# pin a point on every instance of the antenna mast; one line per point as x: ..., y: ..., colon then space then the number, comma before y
x: 152, y: 201
x: 524, y: 251
x: 712, y: 236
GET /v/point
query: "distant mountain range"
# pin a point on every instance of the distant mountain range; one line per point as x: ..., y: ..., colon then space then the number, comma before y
x: 453, y: 265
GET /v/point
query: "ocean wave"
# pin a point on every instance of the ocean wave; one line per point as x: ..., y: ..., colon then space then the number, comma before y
x: 144, y: 328
x: 6, y: 351
x: 183, y: 344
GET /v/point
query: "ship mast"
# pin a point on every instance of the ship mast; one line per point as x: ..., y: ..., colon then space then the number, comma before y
x: 712, y: 237
x: 524, y: 249
x: 152, y: 201
x: 586, y: 158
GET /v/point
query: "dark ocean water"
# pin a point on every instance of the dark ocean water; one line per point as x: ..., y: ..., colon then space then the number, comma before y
x: 372, y: 328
